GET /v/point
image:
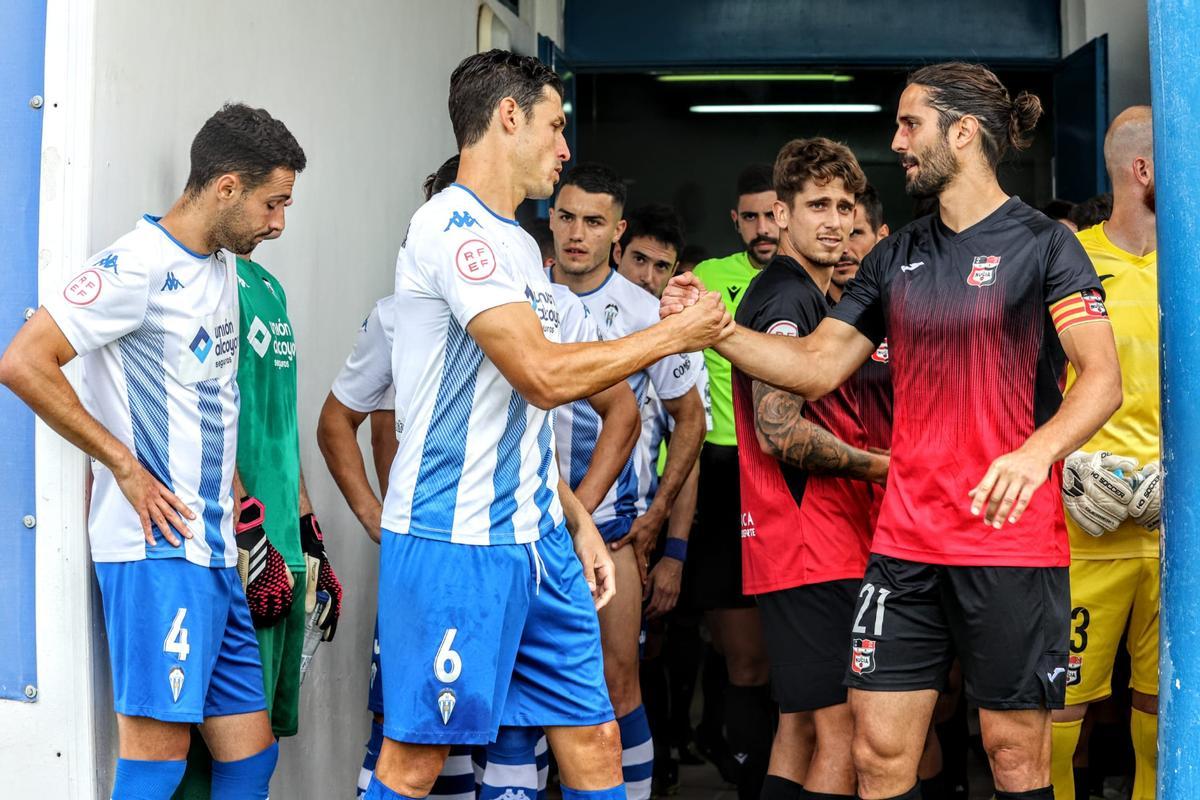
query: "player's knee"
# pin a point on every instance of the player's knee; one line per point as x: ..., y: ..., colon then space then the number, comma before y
x: 1146, y: 703
x: 1013, y: 760
x: 245, y: 779
x: 875, y: 753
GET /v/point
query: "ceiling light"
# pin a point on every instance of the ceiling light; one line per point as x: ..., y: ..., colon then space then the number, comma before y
x: 826, y: 77
x: 789, y: 108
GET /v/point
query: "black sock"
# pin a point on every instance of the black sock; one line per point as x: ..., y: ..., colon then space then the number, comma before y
x: 776, y: 788
x: 1045, y: 793
x: 1082, y: 783
x: 807, y: 795
x: 912, y: 794
x: 681, y: 654
x: 713, y: 684
x: 934, y: 788
x: 748, y: 725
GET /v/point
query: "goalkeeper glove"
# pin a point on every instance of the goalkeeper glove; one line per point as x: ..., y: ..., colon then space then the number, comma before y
x: 1096, y: 491
x: 265, y: 576
x: 320, y: 576
x: 1146, y: 506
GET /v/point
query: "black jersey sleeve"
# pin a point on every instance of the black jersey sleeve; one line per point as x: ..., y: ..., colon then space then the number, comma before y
x: 780, y: 301
x: 862, y: 302
x: 1068, y: 268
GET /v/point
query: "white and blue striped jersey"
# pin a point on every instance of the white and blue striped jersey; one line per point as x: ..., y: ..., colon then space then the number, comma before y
x: 475, y: 463
x: 656, y: 424
x: 157, y: 326
x: 364, y: 383
x: 619, y: 307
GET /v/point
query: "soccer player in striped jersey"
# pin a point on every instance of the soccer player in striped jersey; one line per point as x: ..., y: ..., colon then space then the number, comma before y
x: 587, y: 221
x: 154, y: 316
x: 983, y: 303
x: 489, y: 572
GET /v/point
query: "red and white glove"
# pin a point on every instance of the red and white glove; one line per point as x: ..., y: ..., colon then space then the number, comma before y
x: 265, y: 576
x: 320, y: 576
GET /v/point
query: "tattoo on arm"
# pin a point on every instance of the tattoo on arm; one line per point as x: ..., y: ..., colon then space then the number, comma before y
x: 791, y: 438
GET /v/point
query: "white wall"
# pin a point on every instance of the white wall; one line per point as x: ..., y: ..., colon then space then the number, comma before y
x: 1128, y: 45
x: 362, y: 84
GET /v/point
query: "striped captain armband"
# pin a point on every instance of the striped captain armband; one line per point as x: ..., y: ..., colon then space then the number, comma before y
x: 1076, y: 309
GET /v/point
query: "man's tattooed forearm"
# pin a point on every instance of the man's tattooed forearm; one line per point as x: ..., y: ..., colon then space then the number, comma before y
x: 796, y: 441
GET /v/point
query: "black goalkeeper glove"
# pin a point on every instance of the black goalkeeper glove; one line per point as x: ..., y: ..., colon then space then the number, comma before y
x: 265, y: 576
x: 320, y: 576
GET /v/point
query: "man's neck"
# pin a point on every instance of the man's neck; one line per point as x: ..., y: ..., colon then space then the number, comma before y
x: 489, y: 174
x: 582, y: 283
x: 1131, y: 226
x: 753, y: 261
x: 186, y: 224
x: 835, y: 292
x: 821, y: 276
x: 970, y: 197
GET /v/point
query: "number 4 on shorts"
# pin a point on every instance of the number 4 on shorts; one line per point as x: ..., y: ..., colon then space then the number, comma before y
x: 177, y: 638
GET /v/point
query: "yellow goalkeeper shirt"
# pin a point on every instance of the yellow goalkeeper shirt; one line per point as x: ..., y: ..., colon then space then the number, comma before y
x: 1131, y: 295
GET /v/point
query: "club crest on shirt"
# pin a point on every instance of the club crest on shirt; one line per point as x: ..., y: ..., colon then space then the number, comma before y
x: 610, y: 313
x: 983, y: 271
x: 862, y: 659
x: 881, y: 353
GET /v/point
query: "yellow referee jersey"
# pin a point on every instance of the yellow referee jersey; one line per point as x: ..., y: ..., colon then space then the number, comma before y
x: 1131, y: 296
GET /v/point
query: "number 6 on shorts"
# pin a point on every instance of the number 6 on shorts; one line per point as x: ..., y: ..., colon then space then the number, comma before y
x: 447, y: 664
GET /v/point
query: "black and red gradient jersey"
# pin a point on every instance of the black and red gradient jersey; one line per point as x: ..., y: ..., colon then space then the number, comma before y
x: 976, y: 367
x: 797, y: 527
x: 872, y: 387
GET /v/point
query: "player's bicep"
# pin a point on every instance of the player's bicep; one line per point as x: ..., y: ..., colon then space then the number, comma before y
x: 39, y: 340
x: 511, y: 337
x: 1091, y: 346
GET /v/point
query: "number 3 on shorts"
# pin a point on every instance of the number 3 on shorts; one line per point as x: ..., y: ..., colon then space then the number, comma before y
x: 177, y: 638
x: 447, y: 664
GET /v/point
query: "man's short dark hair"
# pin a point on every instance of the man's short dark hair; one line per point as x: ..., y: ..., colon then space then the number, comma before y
x: 819, y: 160
x: 1058, y: 209
x: 693, y: 254
x: 755, y: 179
x: 244, y: 141
x: 655, y: 221
x: 445, y: 175
x: 1092, y: 211
x: 596, y: 178
x: 481, y: 81
x: 872, y: 206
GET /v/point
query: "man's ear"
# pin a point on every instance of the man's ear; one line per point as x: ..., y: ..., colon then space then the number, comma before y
x: 964, y: 131
x: 883, y: 232
x: 781, y: 213
x: 510, y: 114
x: 227, y: 187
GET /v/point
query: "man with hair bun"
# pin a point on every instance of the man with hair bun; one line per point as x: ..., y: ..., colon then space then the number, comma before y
x: 983, y: 304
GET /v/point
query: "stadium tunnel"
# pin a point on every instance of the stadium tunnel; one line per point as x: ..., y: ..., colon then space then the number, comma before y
x: 101, y: 97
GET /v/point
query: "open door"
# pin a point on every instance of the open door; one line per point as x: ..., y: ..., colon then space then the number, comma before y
x: 550, y: 55
x: 1080, y: 121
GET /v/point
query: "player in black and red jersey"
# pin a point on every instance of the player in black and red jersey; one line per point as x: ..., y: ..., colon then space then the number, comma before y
x: 805, y: 499
x: 982, y: 303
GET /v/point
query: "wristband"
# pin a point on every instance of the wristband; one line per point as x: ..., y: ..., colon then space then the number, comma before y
x: 676, y: 549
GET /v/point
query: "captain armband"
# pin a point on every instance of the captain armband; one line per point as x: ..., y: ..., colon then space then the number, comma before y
x: 1078, y: 308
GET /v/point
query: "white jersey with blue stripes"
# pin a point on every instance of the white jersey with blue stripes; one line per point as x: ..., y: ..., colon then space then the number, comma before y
x: 657, y: 422
x: 157, y: 326
x: 475, y: 463
x: 619, y: 308
x: 364, y: 383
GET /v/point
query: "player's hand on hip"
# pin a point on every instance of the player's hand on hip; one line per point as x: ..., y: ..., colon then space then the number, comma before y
x: 1008, y: 486
x: 680, y: 292
x: 597, y: 564
x: 643, y: 535
x: 662, y: 590
x: 155, y: 504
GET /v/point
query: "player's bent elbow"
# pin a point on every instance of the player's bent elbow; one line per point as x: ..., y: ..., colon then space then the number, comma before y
x: 12, y: 369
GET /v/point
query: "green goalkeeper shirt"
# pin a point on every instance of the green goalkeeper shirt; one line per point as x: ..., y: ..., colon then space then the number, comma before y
x: 268, y: 456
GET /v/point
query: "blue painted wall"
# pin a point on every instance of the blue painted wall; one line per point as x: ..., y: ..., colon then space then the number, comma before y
x: 681, y: 33
x: 22, y: 58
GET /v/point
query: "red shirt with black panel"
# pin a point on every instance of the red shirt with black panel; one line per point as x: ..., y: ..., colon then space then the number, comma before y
x: 798, y: 528
x: 972, y: 322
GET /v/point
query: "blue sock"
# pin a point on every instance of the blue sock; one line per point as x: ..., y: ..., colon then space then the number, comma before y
x: 456, y: 781
x: 378, y: 791
x: 615, y: 793
x: 511, y: 768
x: 370, y: 758
x: 246, y: 779
x: 637, y: 753
x: 146, y: 780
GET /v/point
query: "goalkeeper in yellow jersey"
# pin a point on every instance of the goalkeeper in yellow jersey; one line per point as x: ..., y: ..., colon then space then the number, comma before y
x: 1112, y: 487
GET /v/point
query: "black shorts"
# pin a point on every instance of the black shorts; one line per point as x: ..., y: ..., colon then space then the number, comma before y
x: 1008, y: 626
x: 805, y: 629
x: 712, y: 577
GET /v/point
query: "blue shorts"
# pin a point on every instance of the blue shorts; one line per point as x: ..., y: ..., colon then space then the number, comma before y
x: 614, y: 529
x: 473, y: 637
x: 180, y: 640
x: 375, y: 687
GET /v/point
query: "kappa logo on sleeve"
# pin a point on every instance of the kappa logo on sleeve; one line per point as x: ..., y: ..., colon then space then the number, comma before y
x: 108, y: 261
x: 461, y: 219
x: 475, y: 260
x: 84, y: 288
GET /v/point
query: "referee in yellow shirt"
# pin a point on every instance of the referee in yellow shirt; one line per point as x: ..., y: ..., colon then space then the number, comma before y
x: 1112, y: 487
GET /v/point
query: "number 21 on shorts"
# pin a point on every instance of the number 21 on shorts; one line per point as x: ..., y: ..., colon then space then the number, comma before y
x: 862, y: 649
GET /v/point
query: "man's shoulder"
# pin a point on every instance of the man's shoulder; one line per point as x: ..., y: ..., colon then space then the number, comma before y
x: 633, y: 297
x: 734, y: 263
